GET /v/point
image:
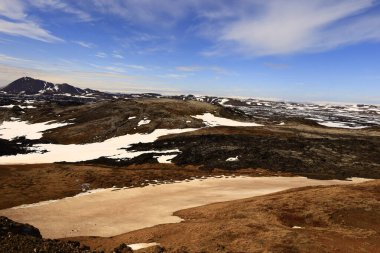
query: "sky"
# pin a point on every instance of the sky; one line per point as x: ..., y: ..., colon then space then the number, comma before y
x: 294, y: 50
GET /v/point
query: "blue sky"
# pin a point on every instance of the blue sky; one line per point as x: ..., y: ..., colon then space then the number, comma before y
x: 320, y: 50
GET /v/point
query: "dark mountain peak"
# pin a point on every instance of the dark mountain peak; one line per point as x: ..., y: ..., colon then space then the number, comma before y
x: 31, y: 86
x: 27, y: 85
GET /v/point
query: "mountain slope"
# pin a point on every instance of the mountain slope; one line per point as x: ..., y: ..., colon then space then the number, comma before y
x: 31, y: 86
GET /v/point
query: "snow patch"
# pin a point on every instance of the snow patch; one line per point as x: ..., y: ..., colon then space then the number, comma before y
x: 113, y: 148
x: 339, y: 125
x: 17, y: 128
x: 137, y: 246
x: 165, y: 158
x: 232, y: 159
x: 143, y: 122
x: 212, y: 120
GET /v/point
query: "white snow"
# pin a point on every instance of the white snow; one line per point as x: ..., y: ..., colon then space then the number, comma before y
x: 232, y: 159
x: 212, y: 120
x: 224, y: 100
x: 296, y: 227
x: 137, y: 246
x: 76, y: 152
x: 21, y: 106
x: 165, y: 158
x: 143, y: 122
x: 17, y: 128
x: 132, y: 117
x: 339, y: 125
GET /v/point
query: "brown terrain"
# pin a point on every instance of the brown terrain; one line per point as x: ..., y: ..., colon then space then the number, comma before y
x: 332, y: 219
x: 310, y: 219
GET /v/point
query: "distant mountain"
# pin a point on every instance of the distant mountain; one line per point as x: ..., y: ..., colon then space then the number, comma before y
x: 31, y: 86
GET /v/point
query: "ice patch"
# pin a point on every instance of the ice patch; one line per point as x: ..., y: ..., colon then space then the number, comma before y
x: 212, y: 120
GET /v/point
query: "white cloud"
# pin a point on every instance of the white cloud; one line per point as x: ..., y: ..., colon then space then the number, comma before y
x: 46, y: 5
x: 257, y: 27
x: 12, y: 9
x: 84, y: 44
x: 173, y: 76
x: 118, y: 56
x: 196, y: 68
x: 27, y: 29
x: 299, y: 26
x: 101, y: 55
x: 10, y: 59
x: 19, y: 24
x: 138, y: 67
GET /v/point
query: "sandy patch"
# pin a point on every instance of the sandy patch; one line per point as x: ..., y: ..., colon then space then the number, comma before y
x: 116, y: 211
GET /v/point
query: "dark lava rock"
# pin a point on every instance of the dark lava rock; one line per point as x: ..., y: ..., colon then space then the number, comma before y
x: 123, y: 248
x: 24, y: 238
x: 9, y: 226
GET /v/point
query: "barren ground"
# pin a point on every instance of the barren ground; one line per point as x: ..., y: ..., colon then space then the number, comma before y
x: 331, y: 219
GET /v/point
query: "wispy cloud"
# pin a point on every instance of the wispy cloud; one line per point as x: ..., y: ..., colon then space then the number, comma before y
x: 11, y: 59
x: 255, y: 27
x: 46, y: 5
x: 274, y: 65
x: 138, y: 67
x: 299, y: 26
x: 84, y: 44
x: 18, y: 23
x: 101, y: 55
x: 27, y: 29
x: 195, y: 68
x: 173, y: 76
x: 117, y: 55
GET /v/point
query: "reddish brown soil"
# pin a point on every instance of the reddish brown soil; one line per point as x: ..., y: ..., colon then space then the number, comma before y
x: 333, y: 219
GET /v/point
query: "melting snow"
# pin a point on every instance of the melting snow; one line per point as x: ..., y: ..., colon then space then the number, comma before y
x: 137, y: 246
x: 143, y: 122
x: 233, y: 159
x: 212, y: 120
x: 75, y: 153
x: 339, y: 125
x: 21, y: 106
x: 165, y: 158
x: 16, y: 128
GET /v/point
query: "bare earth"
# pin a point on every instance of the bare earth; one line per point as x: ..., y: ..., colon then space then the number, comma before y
x: 342, y: 218
x: 115, y: 211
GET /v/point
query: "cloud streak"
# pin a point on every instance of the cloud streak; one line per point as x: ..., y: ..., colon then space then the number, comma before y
x: 18, y: 23
x: 301, y: 26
